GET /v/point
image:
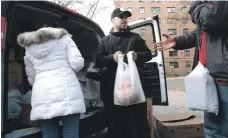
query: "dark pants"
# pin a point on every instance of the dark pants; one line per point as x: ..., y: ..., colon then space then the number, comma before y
x: 127, y: 122
x: 216, y: 126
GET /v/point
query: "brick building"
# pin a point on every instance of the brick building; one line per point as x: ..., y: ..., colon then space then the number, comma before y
x: 172, y: 20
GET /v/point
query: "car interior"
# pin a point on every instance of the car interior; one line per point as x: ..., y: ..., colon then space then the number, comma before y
x: 25, y: 18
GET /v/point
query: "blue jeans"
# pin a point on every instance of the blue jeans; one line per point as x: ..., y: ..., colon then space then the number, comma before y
x: 216, y: 126
x: 50, y: 127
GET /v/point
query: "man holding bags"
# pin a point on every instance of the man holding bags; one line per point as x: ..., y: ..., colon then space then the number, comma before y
x: 126, y: 121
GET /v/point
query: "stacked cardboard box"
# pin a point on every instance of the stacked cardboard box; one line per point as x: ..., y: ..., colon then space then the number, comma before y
x: 179, y: 126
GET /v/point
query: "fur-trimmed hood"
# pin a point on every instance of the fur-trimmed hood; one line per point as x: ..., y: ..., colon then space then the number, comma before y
x: 40, y: 36
x: 41, y: 42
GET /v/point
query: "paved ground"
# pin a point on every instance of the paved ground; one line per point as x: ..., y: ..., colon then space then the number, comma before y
x: 177, y: 99
x: 177, y: 104
x: 175, y: 84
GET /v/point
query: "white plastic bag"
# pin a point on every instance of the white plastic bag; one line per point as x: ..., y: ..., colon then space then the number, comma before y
x: 92, y: 90
x: 201, y: 90
x: 128, y: 88
x: 92, y: 86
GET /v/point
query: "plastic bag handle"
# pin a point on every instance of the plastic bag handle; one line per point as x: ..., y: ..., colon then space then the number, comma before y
x: 130, y: 56
x: 120, y: 58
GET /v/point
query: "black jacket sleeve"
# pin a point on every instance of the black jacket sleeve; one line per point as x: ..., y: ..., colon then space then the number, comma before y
x: 210, y: 16
x: 186, y: 41
x: 142, y: 51
x: 103, y: 59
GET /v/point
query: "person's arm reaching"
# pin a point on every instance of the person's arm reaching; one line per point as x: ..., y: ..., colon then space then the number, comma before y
x: 142, y: 51
x: 29, y: 69
x: 186, y: 41
x: 211, y: 16
x: 178, y: 43
x: 103, y: 59
x: 74, y: 56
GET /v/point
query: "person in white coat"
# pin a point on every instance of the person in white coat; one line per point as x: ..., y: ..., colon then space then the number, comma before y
x: 51, y: 62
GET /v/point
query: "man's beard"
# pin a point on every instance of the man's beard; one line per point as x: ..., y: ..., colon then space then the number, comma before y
x: 123, y: 26
x: 124, y: 29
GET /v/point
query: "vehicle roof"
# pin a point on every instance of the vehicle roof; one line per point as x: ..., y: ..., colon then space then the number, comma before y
x: 54, y: 8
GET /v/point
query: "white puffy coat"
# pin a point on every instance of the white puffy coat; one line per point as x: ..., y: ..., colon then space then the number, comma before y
x: 51, y: 62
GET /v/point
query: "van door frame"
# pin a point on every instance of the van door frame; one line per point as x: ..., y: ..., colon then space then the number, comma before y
x: 158, y: 56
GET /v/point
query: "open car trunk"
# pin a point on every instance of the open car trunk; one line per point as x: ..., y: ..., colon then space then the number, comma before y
x: 30, y: 16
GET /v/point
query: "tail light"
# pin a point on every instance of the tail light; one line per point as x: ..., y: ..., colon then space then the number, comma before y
x: 70, y: 10
x: 3, y: 21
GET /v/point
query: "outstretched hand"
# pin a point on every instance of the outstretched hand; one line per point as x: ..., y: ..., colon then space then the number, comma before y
x: 167, y: 44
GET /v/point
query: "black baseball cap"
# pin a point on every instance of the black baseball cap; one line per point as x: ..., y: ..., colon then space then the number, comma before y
x: 119, y: 11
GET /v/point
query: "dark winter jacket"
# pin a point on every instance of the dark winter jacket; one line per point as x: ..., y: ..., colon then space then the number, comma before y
x: 212, y: 18
x: 118, y: 41
x: 188, y: 41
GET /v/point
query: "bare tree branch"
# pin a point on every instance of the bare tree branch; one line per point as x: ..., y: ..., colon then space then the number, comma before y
x: 89, y: 10
x: 66, y: 3
x: 182, y: 17
x: 95, y: 8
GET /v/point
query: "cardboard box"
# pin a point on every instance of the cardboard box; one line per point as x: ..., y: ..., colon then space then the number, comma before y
x: 179, y: 126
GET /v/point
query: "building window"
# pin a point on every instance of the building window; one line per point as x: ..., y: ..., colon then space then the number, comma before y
x: 185, y: 9
x: 171, y: 9
x: 187, y: 53
x: 173, y: 53
x: 155, y: 9
x: 187, y: 64
x: 141, y: 10
x: 173, y: 65
x: 172, y: 31
x: 185, y: 31
x: 129, y: 9
x: 171, y: 21
x: 141, y: 0
x: 142, y: 32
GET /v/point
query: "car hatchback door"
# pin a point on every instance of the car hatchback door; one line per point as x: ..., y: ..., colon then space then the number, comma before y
x: 153, y: 76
